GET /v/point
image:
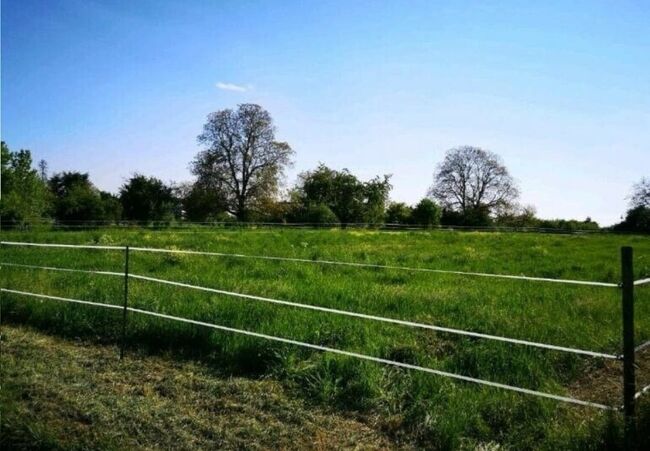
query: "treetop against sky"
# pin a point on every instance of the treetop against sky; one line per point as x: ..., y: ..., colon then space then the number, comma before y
x: 558, y: 90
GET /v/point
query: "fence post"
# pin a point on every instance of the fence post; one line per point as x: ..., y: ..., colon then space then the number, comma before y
x: 126, y: 298
x: 629, y: 385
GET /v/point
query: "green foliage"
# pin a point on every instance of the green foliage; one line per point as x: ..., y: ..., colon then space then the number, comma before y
x: 637, y: 219
x: 319, y: 214
x: 426, y: 213
x: 398, y: 213
x: 25, y: 198
x: 568, y: 225
x: 518, y: 219
x: 471, y: 217
x: 111, y: 205
x: 76, y: 199
x: 343, y: 193
x: 201, y: 203
x: 148, y: 199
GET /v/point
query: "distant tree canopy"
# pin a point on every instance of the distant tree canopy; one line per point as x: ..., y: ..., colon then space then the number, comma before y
x: 25, y: 197
x: 641, y: 193
x: 637, y: 217
x: 242, y: 161
x: 472, y: 184
x: 76, y: 199
x: 200, y: 203
x: 426, y: 213
x: 239, y: 174
x: 398, y: 213
x: 148, y: 199
x: 348, y: 198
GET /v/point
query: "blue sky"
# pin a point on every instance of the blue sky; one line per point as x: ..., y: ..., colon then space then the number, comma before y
x: 561, y: 90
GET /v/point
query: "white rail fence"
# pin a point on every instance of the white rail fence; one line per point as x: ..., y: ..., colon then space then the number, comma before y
x: 627, y: 285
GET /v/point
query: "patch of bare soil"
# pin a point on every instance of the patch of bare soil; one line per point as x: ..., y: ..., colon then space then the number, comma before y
x: 604, y: 383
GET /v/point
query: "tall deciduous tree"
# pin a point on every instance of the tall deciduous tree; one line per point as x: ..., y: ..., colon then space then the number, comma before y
x: 471, y: 179
x: 242, y: 159
x: 24, y: 197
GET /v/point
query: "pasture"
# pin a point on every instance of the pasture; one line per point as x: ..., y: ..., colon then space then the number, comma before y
x: 408, y: 406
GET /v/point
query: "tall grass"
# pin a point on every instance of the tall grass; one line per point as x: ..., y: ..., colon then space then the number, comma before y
x: 417, y: 407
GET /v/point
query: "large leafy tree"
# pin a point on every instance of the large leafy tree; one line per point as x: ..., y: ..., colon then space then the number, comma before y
x: 148, y: 199
x: 77, y: 200
x: 473, y: 182
x: 350, y: 199
x: 24, y: 196
x: 242, y: 159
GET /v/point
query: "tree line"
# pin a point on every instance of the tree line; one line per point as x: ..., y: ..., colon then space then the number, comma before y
x: 239, y: 174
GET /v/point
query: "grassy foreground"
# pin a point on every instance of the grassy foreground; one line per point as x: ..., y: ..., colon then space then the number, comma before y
x: 73, y: 395
x: 410, y: 407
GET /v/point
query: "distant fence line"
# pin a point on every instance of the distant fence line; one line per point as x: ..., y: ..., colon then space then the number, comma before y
x: 173, y: 224
x: 626, y: 357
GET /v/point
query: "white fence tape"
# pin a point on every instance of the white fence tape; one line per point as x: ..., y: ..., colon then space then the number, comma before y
x: 372, y: 265
x: 335, y: 311
x: 80, y: 246
x: 642, y: 281
x: 53, y: 268
x: 642, y: 392
x: 325, y: 262
x: 642, y: 346
x: 57, y: 298
x: 333, y: 350
x: 379, y: 318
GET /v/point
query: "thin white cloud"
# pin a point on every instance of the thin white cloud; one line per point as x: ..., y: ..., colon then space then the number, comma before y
x: 232, y: 87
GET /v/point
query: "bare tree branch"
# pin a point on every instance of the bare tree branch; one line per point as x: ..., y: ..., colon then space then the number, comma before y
x: 241, y: 157
x: 473, y: 178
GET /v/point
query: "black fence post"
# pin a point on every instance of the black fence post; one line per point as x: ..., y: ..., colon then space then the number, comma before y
x: 629, y: 384
x: 126, y: 299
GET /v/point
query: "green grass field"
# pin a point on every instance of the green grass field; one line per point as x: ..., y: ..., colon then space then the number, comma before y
x: 409, y: 407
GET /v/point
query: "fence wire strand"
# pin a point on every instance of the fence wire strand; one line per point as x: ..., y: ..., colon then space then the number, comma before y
x: 377, y: 266
x: 332, y: 350
x: 642, y: 281
x: 642, y: 392
x: 642, y: 346
x: 57, y: 298
x: 80, y: 246
x: 323, y: 262
x: 53, y: 268
x: 332, y: 310
x: 379, y: 318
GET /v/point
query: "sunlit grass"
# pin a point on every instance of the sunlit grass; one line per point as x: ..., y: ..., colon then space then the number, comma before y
x: 420, y: 406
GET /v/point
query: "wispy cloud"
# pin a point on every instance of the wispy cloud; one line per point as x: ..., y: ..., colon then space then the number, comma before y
x: 232, y: 87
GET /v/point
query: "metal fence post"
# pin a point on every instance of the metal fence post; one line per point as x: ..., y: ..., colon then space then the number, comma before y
x: 126, y: 299
x: 629, y: 385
